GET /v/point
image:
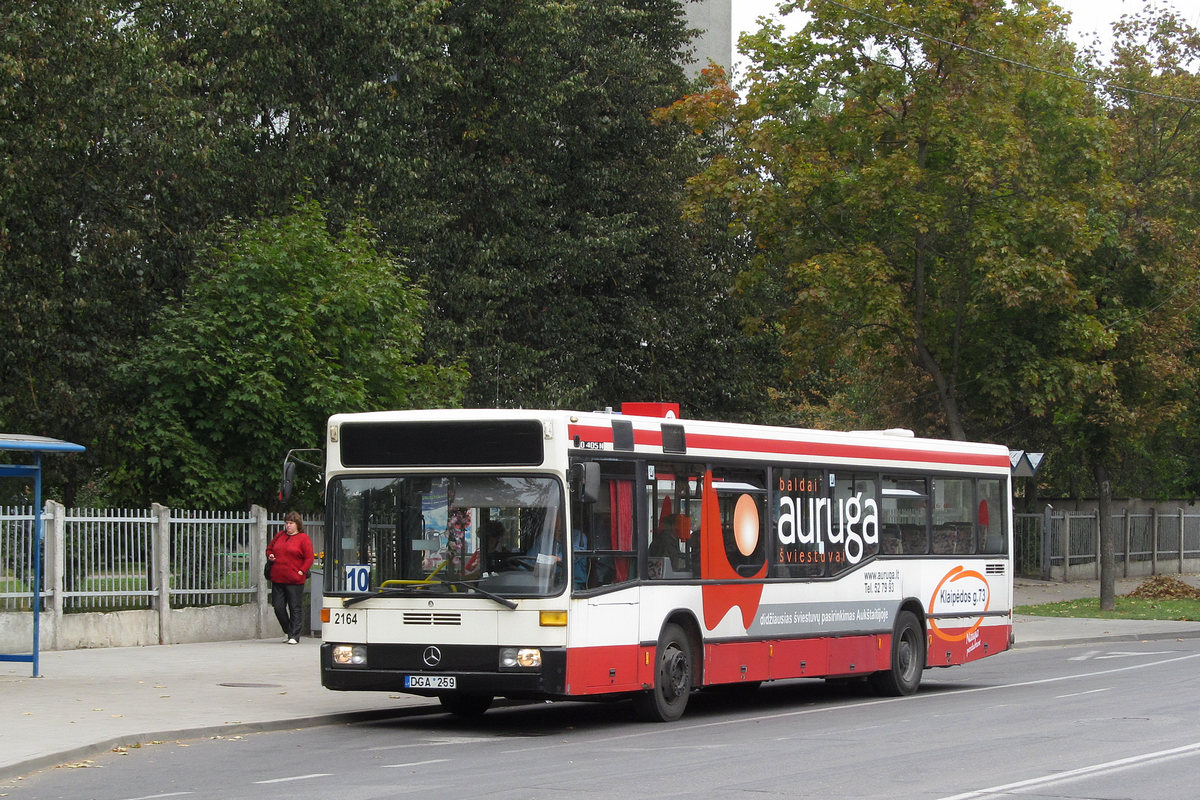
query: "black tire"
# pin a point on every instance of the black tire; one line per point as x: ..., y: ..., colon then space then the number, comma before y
x: 908, y: 659
x: 672, y: 678
x: 465, y: 704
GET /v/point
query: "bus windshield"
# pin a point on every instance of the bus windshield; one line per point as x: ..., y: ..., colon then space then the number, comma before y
x: 445, y: 533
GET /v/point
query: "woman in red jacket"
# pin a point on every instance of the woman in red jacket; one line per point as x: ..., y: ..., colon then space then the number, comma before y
x: 290, y: 554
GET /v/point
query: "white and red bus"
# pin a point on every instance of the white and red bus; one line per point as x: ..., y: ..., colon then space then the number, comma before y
x: 474, y: 554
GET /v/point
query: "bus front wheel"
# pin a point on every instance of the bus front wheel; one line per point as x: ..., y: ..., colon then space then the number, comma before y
x: 668, y: 698
x: 908, y: 659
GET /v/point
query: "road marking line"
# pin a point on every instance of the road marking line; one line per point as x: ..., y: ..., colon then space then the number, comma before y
x: 156, y: 796
x: 415, y: 763
x: 441, y: 740
x: 298, y: 777
x: 1095, y: 769
x: 916, y: 698
x: 1098, y: 655
x: 1081, y: 694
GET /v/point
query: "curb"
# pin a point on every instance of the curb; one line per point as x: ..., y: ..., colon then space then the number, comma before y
x: 1190, y: 633
x: 10, y: 772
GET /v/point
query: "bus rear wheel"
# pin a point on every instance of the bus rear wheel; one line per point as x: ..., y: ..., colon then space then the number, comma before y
x: 668, y: 698
x: 465, y: 704
x: 908, y: 659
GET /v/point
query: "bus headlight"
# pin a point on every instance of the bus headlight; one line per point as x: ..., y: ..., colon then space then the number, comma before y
x: 350, y: 655
x: 520, y: 658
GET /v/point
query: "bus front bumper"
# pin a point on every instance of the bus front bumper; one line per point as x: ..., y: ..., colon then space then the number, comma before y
x: 452, y: 668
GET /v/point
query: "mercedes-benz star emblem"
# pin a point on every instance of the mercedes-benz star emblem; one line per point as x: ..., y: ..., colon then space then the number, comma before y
x: 432, y: 656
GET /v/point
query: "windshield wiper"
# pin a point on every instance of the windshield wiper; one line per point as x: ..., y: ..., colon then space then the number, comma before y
x: 399, y: 591
x: 504, y: 601
x: 358, y: 598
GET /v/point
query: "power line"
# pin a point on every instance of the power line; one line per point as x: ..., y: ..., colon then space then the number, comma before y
x: 1112, y: 87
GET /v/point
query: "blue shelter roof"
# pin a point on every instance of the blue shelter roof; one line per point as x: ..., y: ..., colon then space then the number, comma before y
x: 37, y: 444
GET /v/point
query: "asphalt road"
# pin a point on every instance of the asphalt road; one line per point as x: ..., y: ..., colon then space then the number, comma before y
x: 1117, y: 720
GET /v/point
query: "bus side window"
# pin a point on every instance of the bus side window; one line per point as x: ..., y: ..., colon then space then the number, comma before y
x: 797, y: 495
x: 604, y: 548
x: 741, y: 498
x: 953, y: 515
x: 905, y: 507
x: 673, y: 505
x: 856, y: 500
x: 989, y: 518
x: 891, y: 540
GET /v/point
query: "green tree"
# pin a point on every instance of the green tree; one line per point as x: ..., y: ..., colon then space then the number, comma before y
x: 284, y: 325
x: 130, y: 130
x: 1144, y: 276
x: 505, y: 152
x: 563, y: 271
x: 939, y: 203
x: 334, y: 97
x: 84, y: 103
x: 920, y: 202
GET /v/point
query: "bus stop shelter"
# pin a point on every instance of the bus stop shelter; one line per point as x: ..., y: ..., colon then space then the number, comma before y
x: 36, y: 446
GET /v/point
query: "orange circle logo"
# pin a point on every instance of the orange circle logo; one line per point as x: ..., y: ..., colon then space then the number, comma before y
x: 745, y: 525
x: 970, y: 594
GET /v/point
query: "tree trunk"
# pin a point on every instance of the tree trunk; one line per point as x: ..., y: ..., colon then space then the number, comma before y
x: 1108, y: 568
x: 945, y: 389
x: 924, y: 356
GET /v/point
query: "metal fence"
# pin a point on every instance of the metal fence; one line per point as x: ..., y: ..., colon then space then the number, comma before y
x: 111, y: 559
x: 16, y: 558
x: 108, y: 560
x: 1061, y: 545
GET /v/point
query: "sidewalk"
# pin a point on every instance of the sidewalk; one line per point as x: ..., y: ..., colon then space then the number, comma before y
x: 1042, y: 631
x: 89, y: 701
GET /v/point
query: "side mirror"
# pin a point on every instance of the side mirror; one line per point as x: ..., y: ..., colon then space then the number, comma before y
x: 289, y: 472
x: 587, y: 481
x: 289, y: 479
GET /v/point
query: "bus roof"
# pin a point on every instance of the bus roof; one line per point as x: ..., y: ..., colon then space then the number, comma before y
x: 614, y: 433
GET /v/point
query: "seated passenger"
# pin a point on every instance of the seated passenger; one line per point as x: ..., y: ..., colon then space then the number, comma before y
x: 671, y: 534
x: 494, y: 546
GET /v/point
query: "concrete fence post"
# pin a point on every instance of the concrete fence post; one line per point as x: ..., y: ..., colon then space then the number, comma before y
x: 1154, y: 539
x: 162, y: 569
x: 258, y: 560
x: 55, y: 565
x: 1047, y: 542
x: 1066, y: 546
x: 1128, y: 534
x: 1181, y: 541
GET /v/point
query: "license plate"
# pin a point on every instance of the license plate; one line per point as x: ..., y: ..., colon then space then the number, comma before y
x: 430, y: 682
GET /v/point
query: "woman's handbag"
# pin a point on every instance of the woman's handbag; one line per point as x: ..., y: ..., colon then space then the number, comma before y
x: 267, y: 566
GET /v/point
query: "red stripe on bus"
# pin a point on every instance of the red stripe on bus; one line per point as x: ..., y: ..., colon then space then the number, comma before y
x: 598, y: 670
x: 627, y: 668
x: 745, y: 444
x: 972, y: 646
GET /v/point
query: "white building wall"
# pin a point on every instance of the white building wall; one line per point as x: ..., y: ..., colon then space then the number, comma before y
x: 714, y: 18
